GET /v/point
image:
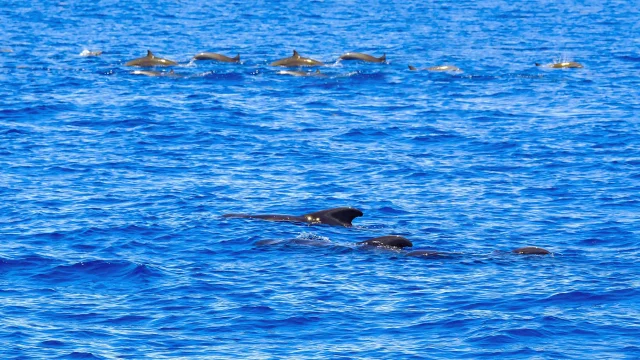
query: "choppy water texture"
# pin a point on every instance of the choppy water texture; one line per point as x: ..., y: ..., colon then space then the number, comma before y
x: 113, y: 185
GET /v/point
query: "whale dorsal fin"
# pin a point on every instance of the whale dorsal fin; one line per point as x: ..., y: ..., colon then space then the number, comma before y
x: 337, y: 216
x: 383, y: 57
x: 538, y: 64
x: 295, y: 54
x: 150, y: 54
x: 236, y: 58
x: 171, y: 72
x: 412, y: 68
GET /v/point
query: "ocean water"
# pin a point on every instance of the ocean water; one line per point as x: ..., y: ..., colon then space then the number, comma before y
x: 113, y: 185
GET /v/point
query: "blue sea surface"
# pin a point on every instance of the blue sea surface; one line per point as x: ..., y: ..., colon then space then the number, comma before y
x: 113, y: 185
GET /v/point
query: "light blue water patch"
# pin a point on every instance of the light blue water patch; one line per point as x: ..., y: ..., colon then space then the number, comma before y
x: 114, y: 184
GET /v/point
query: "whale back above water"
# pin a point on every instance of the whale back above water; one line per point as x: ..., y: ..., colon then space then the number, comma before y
x: 150, y: 60
x: 342, y: 216
x: 390, y: 241
x: 217, y: 57
x: 297, y: 60
x: 363, y: 57
x: 531, y: 250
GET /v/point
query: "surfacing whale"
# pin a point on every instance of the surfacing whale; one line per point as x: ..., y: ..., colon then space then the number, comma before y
x: 363, y: 57
x: 337, y: 216
x: 563, y: 65
x: 531, y: 250
x: 217, y: 57
x: 297, y: 60
x: 150, y: 60
x: 389, y: 241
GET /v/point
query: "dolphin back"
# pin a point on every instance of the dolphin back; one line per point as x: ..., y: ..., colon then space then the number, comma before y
x: 337, y: 216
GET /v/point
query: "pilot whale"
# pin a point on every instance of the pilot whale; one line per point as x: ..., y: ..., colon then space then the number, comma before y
x: 563, y: 65
x: 363, y: 57
x: 437, y: 68
x: 297, y: 60
x: 389, y: 241
x: 531, y: 250
x: 150, y: 60
x: 217, y: 57
x: 337, y: 216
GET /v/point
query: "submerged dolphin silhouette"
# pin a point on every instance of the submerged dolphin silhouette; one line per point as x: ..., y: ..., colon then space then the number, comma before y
x: 217, y: 57
x: 392, y: 241
x: 337, y: 216
x: 297, y: 60
x: 363, y: 57
x: 563, y: 65
x: 150, y: 60
x: 301, y: 73
x: 437, y: 68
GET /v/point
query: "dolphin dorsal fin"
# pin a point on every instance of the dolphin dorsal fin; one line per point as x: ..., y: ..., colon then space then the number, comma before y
x: 337, y: 216
x: 412, y: 68
x: 383, y: 57
x: 150, y: 54
x: 171, y: 72
x: 317, y: 71
x: 295, y: 54
x: 236, y: 58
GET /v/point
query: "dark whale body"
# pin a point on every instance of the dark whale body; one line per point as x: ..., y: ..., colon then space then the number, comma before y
x: 390, y: 241
x: 336, y: 216
x: 531, y: 250
x: 150, y: 60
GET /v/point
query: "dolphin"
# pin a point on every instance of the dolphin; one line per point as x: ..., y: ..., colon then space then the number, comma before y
x: 389, y: 241
x: 297, y: 60
x: 363, y: 57
x: 337, y: 216
x: 563, y: 65
x: 217, y: 57
x: 437, y: 68
x: 531, y: 250
x: 301, y: 73
x: 150, y: 60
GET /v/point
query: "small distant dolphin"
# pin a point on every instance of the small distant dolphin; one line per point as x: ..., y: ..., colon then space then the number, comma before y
x: 296, y: 60
x: 363, y: 57
x: 155, y: 73
x: 217, y: 57
x: 301, y: 73
x: 437, y: 68
x: 392, y: 241
x: 531, y: 250
x: 337, y: 216
x: 150, y: 60
x: 87, y: 53
x: 563, y: 65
